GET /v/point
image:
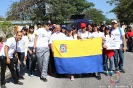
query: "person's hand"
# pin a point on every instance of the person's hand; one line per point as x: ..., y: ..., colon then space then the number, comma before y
x: 124, y: 49
x: 30, y: 52
x: 25, y: 57
x: 34, y: 50
x: 104, y: 46
x: 19, y: 61
x: 8, y: 61
x: 79, y: 36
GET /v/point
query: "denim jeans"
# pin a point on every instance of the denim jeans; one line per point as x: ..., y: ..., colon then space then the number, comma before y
x: 43, y: 54
x: 119, y: 65
x: 106, y: 63
x: 32, y: 64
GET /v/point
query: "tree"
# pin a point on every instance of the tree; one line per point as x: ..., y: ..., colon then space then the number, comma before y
x: 95, y: 15
x: 56, y: 10
x: 1, y: 18
x: 6, y: 27
x: 123, y: 10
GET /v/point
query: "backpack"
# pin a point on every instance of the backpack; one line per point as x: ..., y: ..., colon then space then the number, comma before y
x: 119, y: 31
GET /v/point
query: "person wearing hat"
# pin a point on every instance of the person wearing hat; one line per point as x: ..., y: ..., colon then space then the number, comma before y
x: 22, y: 51
x: 74, y: 32
x: 63, y: 29
x: 83, y: 33
x: 119, y: 35
x: 41, y: 48
x: 30, y: 62
x: 129, y: 36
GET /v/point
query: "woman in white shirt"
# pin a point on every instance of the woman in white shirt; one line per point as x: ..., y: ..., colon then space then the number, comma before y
x: 31, y: 62
x: 69, y: 36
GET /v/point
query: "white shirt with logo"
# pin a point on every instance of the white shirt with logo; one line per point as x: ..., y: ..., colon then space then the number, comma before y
x: 11, y: 43
x: 97, y: 34
x: 84, y: 35
x: 43, y: 37
x: 57, y: 36
x: 31, y: 38
x: 116, y: 34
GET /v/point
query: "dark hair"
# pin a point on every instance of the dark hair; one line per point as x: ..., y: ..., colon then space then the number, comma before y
x: 105, y: 32
x: 1, y: 38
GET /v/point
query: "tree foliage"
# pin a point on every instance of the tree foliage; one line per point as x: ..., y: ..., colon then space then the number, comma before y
x: 95, y: 15
x: 40, y: 10
x: 6, y: 27
x: 2, y: 18
x: 123, y: 10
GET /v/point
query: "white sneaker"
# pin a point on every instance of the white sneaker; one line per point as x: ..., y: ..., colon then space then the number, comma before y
x: 72, y: 78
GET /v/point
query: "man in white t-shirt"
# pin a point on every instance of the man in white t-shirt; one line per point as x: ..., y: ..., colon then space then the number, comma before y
x: 119, y: 34
x: 41, y: 47
x: 55, y: 36
x: 6, y: 55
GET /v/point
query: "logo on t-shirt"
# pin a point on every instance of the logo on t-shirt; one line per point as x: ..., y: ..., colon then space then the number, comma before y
x: 43, y: 35
x: 63, y: 48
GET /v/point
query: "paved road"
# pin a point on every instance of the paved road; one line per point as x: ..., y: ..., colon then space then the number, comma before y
x: 125, y: 80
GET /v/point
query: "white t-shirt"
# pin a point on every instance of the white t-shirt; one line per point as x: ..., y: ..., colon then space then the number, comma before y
x: 97, y: 34
x: 84, y: 35
x: 11, y: 43
x: 31, y: 40
x: 57, y: 36
x: 91, y: 35
x: 75, y: 36
x: 107, y: 37
x: 43, y: 37
x: 69, y: 38
x: 116, y: 34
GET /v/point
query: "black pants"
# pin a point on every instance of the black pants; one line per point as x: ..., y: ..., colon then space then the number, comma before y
x: 12, y: 70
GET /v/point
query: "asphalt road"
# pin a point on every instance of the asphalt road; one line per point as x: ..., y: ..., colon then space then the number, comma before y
x: 125, y: 80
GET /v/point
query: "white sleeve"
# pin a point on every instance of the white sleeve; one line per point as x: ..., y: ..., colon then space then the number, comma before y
x: 8, y: 42
x: 51, y: 39
x: 26, y: 45
x: 123, y: 33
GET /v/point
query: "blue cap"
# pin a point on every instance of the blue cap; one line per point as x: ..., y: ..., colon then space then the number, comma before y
x: 63, y: 26
x: 69, y: 28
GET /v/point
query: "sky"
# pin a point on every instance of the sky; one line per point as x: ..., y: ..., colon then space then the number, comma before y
x: 99, y: 4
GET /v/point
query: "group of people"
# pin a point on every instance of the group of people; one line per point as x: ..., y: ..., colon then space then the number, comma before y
x: 35, y: 46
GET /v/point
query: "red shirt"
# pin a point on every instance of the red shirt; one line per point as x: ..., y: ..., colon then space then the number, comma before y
x: 129, y: 34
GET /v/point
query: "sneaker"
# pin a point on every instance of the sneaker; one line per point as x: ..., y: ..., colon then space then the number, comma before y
x: 122, y: 70
x: 44, y: 79
x: 31, y: 75
x: 34, y: 73
x: 107, y: 73
x: 72, y: 78
x: 111, y: 73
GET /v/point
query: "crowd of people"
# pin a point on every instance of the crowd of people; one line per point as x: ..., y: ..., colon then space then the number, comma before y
x: 35, y: 47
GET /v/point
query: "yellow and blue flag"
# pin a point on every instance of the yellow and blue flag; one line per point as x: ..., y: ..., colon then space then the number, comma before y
x: 78, y: 56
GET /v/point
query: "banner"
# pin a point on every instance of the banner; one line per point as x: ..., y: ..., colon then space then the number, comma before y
x: 78, y: 56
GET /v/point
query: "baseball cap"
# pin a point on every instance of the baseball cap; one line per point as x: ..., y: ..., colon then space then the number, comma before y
x: 31, y: 26
x: 39, y: 23
x: 114, y: 21
x: 48, y: 22
x: 69, y: 28
x: 83, y: 25
x: 129, y: 26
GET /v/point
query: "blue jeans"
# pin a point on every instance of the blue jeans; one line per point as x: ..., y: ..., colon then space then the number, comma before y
x: 106, y: 63
x: 119, y: 65
x: 32, y: 64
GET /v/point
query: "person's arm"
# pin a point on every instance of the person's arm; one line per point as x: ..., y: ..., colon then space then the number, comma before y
x: 6, y: 54
x: 26, y: 46
x: 35, y: 41
x: 124, y: 42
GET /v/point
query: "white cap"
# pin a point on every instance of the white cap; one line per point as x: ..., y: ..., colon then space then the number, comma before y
x: 114, y: 21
